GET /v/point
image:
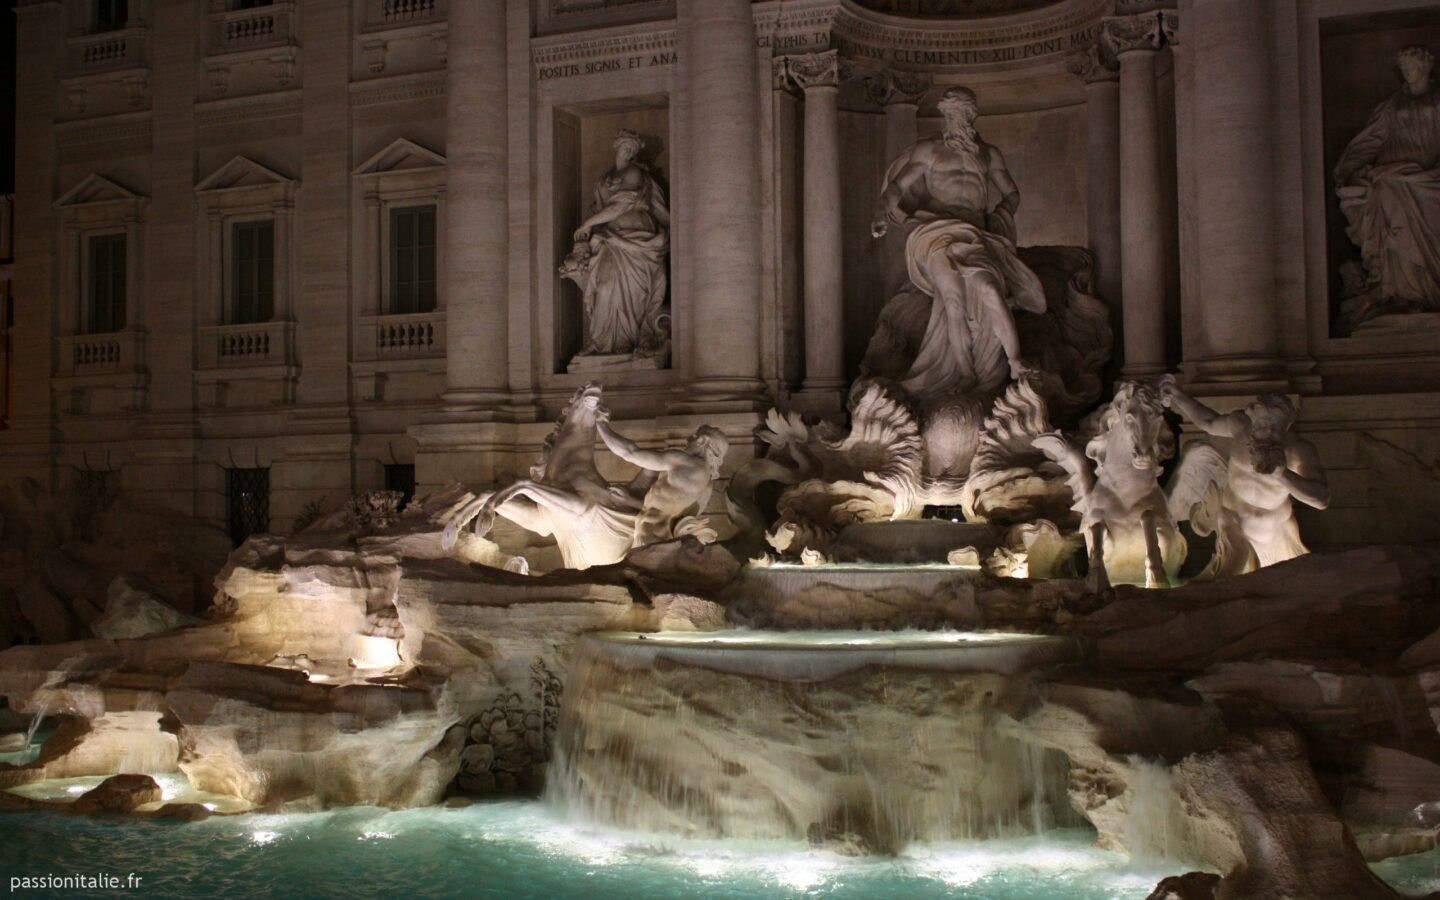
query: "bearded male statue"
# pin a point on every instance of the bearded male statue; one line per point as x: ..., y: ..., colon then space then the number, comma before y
x: 1267, y: 467
x: 1388, y: 182
x: 962, y: 252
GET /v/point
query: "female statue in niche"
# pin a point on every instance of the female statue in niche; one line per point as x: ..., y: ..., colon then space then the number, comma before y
x: 619, y: 260
x: 1388, y: 182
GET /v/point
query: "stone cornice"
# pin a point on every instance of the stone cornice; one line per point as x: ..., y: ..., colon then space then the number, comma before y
x: 397, y: 88
x: 230, y: 110
x: 130, y: 126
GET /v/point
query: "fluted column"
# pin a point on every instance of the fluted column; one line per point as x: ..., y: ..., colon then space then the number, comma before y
x: 1236, y: 304
x: 476, y: 225
x: 722, y: 138
x: 818, y: 75
x: 1135, y: 41
x: 1097, y: 68
x: 898, y: 93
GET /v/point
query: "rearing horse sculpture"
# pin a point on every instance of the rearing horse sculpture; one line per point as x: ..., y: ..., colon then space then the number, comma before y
x: 1131, y: 535
x: 565, y: 495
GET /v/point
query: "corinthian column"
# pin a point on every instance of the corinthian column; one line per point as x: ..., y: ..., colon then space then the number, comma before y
x: 898, y: 93
x: 818, y: 74
x: 476, y: 213
x: 1135, y: 41
x: 1097, y: 68
x: 722, y: 139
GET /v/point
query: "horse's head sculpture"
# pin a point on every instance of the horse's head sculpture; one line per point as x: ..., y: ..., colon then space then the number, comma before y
x: 1132, y: 428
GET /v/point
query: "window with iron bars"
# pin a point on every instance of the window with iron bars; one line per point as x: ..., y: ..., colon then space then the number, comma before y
x: 247, y: 501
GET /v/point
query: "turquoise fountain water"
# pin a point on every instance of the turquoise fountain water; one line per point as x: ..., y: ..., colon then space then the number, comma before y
x: 534, y: 848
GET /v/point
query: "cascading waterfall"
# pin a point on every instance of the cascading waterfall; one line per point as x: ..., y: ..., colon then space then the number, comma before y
x: 35, y: 725
x: 865, y: 743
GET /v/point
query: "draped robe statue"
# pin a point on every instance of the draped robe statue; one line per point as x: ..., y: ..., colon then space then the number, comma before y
x: 1388, y: 182
x: 619, y: 260
x: 962, y: 253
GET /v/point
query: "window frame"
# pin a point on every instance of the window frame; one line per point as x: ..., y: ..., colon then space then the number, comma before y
x: 389, y: 273
x: 97, y: 206
x: 240, y: 191
x: 230, y: 306
x: 86, y: 314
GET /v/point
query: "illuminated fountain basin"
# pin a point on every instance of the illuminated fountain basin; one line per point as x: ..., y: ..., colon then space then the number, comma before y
x: 863, y: 741
x: 511, y: 849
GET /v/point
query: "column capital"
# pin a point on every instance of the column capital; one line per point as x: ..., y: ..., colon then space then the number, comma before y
x: 889, y: 86
x: 1092, y: 63
x: 1126, y: 34
x: 814, y: 70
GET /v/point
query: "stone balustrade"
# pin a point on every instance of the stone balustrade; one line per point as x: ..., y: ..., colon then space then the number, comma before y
x: 395, y: 12
x: 413, y: 335
x: 257, y: 344
x: 99, y: 354
x: 246, y: 29
x: 90, y: 53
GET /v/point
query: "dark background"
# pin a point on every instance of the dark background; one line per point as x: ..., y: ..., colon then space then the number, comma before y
x: 7, y: 98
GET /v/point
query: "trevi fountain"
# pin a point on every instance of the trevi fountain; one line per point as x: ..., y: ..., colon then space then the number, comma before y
x: 1009, y: 604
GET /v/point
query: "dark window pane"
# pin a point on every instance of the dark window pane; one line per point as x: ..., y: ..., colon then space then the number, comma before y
x: 247, y: 503
x: 412, y: 259
x: 103, y: 310
x: 109, y: 15
x: 253, y: 272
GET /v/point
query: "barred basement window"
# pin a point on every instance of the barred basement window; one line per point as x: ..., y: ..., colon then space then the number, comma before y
x: 94, y: 491
x: 252, y: 276
x: 412, y: 260
x: 104, y: 306
x: 401, y: 478
x: 247, y: 502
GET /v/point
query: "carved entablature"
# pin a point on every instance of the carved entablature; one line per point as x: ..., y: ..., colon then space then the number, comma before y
x: 997, y: 42
x: 867, y: 39
x: 1092, y: 62
x: 889, y: 86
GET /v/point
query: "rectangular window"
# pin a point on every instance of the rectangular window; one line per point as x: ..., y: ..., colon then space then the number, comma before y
x: 104, y: 309
x: 248, y: 4
x: 401, y: 478
x: 252, y: 275
x: 412, y: 260
x: 247, y: 503
x: 109, y: 15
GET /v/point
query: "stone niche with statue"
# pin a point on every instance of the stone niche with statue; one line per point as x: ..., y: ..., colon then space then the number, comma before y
x: 613, y: 197
x: 1382, y: 147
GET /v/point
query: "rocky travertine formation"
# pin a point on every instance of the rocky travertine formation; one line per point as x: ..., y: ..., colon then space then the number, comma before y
x: 73, y: 565
x: 1277, y: 727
